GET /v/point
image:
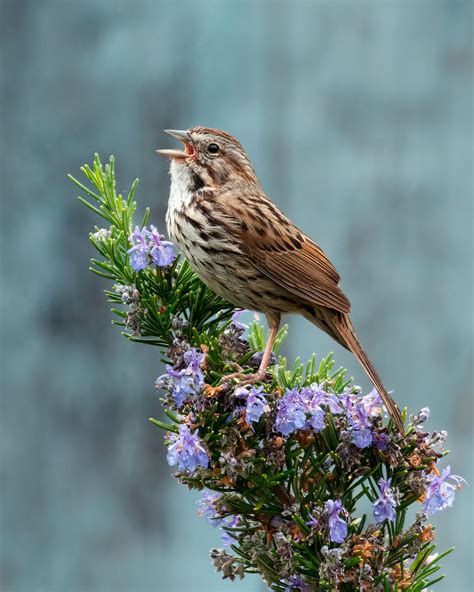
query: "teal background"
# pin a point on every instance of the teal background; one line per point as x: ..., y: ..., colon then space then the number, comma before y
x: 358, y: 116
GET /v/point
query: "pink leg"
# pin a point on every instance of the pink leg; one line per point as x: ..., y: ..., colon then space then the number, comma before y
x: 273, y: 326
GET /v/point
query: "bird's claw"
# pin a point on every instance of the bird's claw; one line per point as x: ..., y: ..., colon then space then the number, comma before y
x: 238, y: 369
x: 242, y: 379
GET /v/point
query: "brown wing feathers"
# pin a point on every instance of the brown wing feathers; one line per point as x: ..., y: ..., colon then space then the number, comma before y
x: 304, y: 272
x: 292, y: 260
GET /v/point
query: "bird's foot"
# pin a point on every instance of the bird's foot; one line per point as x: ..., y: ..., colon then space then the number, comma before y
x: 241, y: 378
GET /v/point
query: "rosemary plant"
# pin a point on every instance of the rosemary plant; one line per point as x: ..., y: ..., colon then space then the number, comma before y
x: 310, y: 484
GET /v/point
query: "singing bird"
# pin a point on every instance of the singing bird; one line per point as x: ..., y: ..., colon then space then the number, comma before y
x: 246, y: 250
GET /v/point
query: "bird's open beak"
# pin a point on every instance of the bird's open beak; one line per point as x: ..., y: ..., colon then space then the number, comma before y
x: 184, y: 137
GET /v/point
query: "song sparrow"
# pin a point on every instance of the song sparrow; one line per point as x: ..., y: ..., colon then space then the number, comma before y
x: 247, y: 251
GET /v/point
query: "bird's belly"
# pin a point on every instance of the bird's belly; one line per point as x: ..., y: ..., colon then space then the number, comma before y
x: 226, y: 270
x: 241, y: 284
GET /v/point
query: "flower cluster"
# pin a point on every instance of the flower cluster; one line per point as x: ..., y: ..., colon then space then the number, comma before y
x: 149, y: 246
x: 213, y: 509
x: 319, y: 429
x: 184, y: 379
x: 308, y: 482
x: 440, y: 492
x: 300, y: 410
x: 334, y: 446
x: 306, y: 408
x: 386, y: 503
x: 186, y: 450
x: 233, y: 345
x: 255, y: 403
x: 337, y: 525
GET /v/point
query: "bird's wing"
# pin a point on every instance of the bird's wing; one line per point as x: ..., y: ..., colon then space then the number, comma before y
x: 286, y: 255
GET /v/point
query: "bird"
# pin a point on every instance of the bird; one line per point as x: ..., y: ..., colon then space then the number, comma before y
x: 244, y: 248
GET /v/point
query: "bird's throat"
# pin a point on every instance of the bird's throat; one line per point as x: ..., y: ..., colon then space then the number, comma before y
x: 184, y: 184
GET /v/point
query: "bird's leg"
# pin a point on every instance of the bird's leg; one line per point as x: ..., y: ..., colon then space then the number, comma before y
x: 273, y: 326
x: 236, y: 367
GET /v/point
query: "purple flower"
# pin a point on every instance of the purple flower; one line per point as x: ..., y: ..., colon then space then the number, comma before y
x: 291, y: 413
x: 186, y: 451
x: 362, y: 438
x: 139, y: 251
x: 228, y: 538
x: 296, y: 583
x: 317, y: 419
x: 183, y: 385
x: 424, y: 414
x: 312, y: 398
x: 187, y: 381
x: 373, y: 405
x: 360, y: 426
x: 314, y: 393
x: 380, y: 440
x: 194, y: 358
x: 349, y: 399
x: 207, y: 507
x: 337, y: 526
x: 421, y: 417
x: 149, y: 242
x: 440, y: 492
x: 313, y: 522
x: 316, y: 396
x: 255, y: 403
x: 161, y: 251
x: 276, y: 522
x: 334, y: 404
x: 300, y: 410
x: 384, y: 506
x: 235, y: 320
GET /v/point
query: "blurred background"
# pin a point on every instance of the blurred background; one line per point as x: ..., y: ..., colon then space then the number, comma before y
x: 358, y: 116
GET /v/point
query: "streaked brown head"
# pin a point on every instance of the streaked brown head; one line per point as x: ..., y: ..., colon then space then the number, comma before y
x: 213, y: 155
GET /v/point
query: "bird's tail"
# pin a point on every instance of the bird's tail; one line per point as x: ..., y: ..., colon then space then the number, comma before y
x: 339, y: 326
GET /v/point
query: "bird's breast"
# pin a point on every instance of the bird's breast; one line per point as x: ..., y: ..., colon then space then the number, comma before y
x: 197, y: 227
x: 198, y: 232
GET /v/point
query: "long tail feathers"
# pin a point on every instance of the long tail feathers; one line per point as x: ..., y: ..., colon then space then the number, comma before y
x: 342, y: 326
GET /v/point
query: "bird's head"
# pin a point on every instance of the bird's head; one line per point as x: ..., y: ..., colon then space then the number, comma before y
x: 214, y: 156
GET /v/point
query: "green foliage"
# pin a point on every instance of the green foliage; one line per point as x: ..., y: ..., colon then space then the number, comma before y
x: 164, y: 294
x: 274, y: 484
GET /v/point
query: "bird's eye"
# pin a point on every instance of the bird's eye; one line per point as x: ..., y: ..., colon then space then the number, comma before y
x: 213, y: 148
